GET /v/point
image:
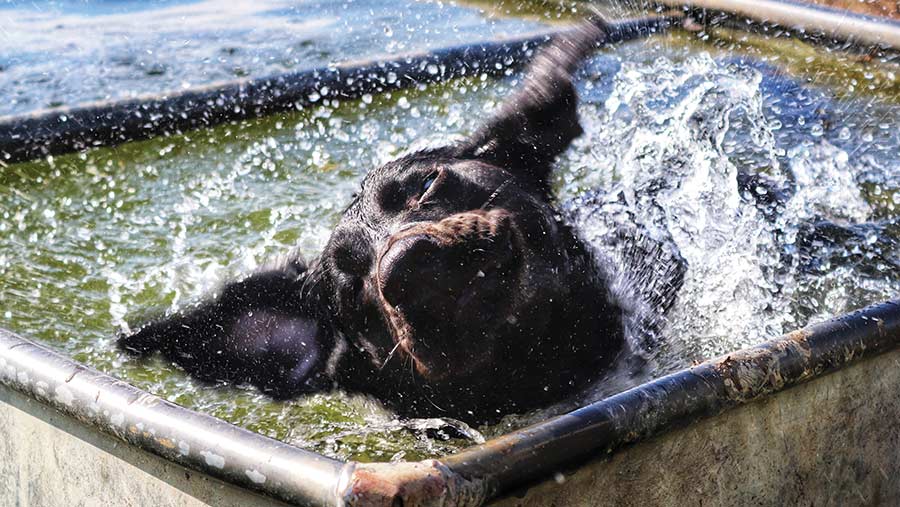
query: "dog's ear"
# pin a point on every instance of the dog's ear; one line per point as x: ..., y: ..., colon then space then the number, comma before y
x: 263, y: 330
x: 540, y: 120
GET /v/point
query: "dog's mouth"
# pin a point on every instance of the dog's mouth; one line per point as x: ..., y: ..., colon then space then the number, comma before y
x: 444, y: 284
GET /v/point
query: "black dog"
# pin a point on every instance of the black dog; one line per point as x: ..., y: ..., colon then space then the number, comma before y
x: 451, y: 286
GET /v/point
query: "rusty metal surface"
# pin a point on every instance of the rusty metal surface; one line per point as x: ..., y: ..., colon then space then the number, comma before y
x: 423, y: 483
x: 524, y: 457
x: 66, y: 130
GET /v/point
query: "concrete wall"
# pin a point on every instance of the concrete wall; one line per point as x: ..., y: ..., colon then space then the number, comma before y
x: 46, y: 459
x: 833, y: 441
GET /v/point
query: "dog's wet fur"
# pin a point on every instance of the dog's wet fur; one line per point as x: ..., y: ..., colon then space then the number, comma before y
x: 451, y: 286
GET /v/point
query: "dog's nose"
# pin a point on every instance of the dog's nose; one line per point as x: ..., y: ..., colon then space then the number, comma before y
x: 428, y: 266
x: 410, y: 262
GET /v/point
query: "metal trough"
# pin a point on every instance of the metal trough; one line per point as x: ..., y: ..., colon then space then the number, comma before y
x: 814, y: 419
x: 109, y: 123
x: 810, y: 418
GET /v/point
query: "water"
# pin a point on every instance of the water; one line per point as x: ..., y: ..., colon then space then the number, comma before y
x: 93, y: 241
x: 676, y: 134
x: 68, y: 52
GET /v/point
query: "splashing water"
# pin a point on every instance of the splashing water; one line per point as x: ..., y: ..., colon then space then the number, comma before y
x: 665, y: 141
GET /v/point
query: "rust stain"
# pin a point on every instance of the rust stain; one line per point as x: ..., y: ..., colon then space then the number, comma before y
x: 747, y: 374
x: 416, y: 484
x: 165, y: 442
x: 880, y: 324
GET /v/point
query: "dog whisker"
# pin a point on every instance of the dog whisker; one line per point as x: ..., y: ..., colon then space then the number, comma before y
x: 390, y: 355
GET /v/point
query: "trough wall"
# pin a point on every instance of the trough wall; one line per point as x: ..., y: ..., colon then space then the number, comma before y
x: 831, y: 442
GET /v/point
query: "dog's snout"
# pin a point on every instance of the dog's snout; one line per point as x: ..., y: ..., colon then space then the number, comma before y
x: 429, y: 264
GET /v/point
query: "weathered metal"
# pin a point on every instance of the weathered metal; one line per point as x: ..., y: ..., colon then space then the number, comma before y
x: 677, y: 400
x: 829, y: 442
x: 408, y: 484
x: 81, y: 400
x: 64, y: 130
x: 819, y: 23
x: 616, y: 444
x: 196, y: 441
x: 50, y: 459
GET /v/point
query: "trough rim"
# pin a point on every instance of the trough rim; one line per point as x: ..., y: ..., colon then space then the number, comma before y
x: 472, y: 476
x: 81, y: 127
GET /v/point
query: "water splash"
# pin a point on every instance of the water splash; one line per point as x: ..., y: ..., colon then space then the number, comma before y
x: 670, y: 144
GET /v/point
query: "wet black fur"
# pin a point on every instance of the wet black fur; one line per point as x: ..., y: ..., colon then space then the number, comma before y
x: 545, y: 327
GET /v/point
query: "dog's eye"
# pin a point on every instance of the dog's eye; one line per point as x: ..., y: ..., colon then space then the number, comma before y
x: 429, y: 181
x: 429, y: 184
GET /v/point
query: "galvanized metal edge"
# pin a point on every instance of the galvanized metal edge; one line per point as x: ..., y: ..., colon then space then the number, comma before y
x: 65, y: 130
x: 465, y: 479
x: 516, y: 459
x: 194, y: 440
x: 804, y: 19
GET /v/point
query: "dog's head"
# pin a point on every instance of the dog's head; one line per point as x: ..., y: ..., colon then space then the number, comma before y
x: 454, y: 265
x: 451, y: 274
x: 441, y: 260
